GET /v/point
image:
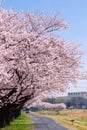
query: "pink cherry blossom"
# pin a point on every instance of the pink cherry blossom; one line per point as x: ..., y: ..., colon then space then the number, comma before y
x: 33, y: 60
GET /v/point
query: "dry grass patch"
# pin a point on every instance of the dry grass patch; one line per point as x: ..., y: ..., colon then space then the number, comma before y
x: 74, y: 119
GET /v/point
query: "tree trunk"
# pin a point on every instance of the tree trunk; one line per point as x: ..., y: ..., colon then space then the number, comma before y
x: 4, y: 116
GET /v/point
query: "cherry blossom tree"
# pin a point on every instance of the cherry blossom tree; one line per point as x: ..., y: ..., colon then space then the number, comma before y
x: 48, y: 106
x: 33, y: 60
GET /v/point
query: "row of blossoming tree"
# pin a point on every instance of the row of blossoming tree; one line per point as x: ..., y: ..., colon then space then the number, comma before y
x: 33, y: 60
x: 40, y: 105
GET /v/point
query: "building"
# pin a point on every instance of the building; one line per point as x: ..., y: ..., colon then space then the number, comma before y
x: 76, y: 100
x: 77, y: 94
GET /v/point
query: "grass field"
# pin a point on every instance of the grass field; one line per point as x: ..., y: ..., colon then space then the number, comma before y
x: 23, y: 122
x: 74, y: 119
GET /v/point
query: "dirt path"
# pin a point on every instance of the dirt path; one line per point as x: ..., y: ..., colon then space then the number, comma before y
x: 44, y: 123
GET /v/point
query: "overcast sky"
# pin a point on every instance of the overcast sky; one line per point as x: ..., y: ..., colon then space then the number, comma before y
x: 74, y: 13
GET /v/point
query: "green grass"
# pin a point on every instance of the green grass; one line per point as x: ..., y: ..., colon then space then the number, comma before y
x: 23, y: 122
x: 82, y: 120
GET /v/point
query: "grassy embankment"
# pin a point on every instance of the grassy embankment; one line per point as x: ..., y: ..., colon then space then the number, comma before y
x: 23, y: 122
x: 73, y: 119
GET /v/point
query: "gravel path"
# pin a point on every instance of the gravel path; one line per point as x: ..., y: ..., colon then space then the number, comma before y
x: 44, y: 123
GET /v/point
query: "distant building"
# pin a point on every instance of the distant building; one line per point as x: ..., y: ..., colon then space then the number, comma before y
x: 76, y: 100
x: 77, y: 94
